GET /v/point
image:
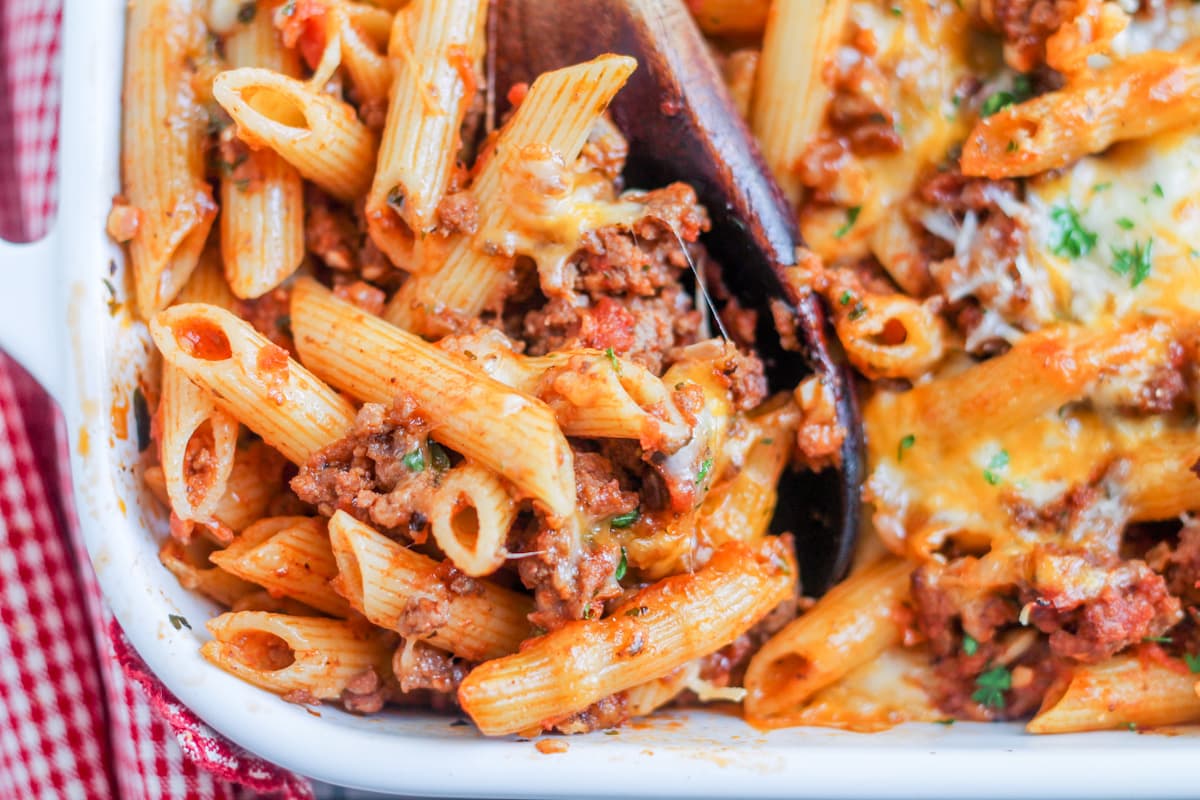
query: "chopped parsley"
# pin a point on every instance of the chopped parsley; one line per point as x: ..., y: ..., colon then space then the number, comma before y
x: 851, y: 218
x: 141, y: 419
x: 1022, y: 90
x: 114, y: 305
x: 1131, y: 726
x: 1193, y: 662
x: 857, y: 312
x: 705, y: 468
x: 625, y: 520
x: 970, y: 645
x: 588, y: 613
x: 622, y: 567
x: 846, y: 297
x: 948, y: 721
x: 414, y: 461
x: 1125, y: 223
x: 612, y: 359
x: 1100, y: 187
x: 1158, y: 639
x: 437, y: 454
x: 998, y: 464
x: 1134, y: 261
x: 289, y: 8
x: 178, y: 622
x: 637, y: 612
x: 1158, y: 190
x: 991, y: 687
x: 896, y: 12
x: 247, y: 11
x: 906, y: 443
x: 1070, y: 237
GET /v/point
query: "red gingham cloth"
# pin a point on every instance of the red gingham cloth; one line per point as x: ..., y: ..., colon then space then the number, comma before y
x: 80, y: 715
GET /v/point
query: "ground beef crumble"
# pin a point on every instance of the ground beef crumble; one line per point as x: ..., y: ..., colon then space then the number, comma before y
x: 365, y: 474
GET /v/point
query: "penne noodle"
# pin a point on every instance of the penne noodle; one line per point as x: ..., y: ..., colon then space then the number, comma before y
x: 316, y: 133
x: 791, y: 96
x: 162, y: 164
x: 555, y: 118
x: 657, y: 631
x: 362, y: 31
x: 284, y: 654
x: 189, y: 563
x: 434, y: 50
x: 254, y: 482
x: 1136, y: 97
x: 851, y: 625
x: 1121, y: 692
x: 412, y: 594
x: 288, y: 556
x: 198, y: 444
x: 208, y: 283
x: 471, y: 413
x: 470, y: 516
x: 262, y: 197
x: 252, y: 379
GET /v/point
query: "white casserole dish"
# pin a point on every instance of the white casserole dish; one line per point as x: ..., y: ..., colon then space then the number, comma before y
x: 54, y: 317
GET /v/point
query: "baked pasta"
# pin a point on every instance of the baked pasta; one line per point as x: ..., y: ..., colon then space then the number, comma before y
x: 440, y: 421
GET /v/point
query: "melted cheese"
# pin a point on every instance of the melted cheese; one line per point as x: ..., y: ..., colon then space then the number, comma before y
x: 1136, y: 193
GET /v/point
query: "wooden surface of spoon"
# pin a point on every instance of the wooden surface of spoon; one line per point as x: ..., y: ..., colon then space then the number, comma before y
x: 682, y: 126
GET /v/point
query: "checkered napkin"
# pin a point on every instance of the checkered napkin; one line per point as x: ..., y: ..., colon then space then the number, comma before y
x: 80, y: 715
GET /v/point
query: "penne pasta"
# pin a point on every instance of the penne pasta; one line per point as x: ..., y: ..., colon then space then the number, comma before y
x: 289, y: 557
x: 1134, y: 98
x: 847, y: 628
x: 316, y: 133
x: 790, y: 96
x: 1122, y: 692
x: 362, y: 31
x: 471, y: 514
x: 434, y: 50
x: 315, y: 656
x: 555, y: 118
x: 412, y: 594
x: 262, y: 196
x: 252, y: 379
x: 378, y: 361
x: 162, y: 166
x: 655, y: 632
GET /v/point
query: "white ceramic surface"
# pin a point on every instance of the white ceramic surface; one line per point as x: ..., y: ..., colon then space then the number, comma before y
x: 54, y: 317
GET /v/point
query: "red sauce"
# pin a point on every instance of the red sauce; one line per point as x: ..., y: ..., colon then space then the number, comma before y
x: 202, y: 339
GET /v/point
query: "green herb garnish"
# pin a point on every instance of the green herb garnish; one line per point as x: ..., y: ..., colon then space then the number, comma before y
x: 611, y: 355
x: 1193, y: 662
x: 622, y: 567
x: 1125, y: 223
x: 851, y: 218
x: 1070, y: 237
x: 439, y: 457
x: 1158, y: 639
x: 845, y: 298
x: 970, y: 645
x: 414, y: 461
x: 992, y: 686
x: 1135, y: 261
x: 705, y: 468
x: 997, y: 465
x: 905, y: 444
x: 626, y: 519
x: 178, y: 622
x: 141, y: 419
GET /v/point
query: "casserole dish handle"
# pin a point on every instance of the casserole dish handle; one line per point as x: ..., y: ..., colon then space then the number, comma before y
x: 31, y: 309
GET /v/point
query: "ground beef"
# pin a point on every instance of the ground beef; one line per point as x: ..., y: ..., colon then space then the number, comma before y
x: 365, y: 475
x: 950, y: 599
x: 608, y: 712
x: 419, y: 666
x: 1179, y: 563
x: 1025, y: 26
x: 598, y: 489
x: 955, y: 688
x: 727, y: 666
x: 331, y: 233
x: 458, y: 212
x: 271, y: 316
x: 629, y: 283
x: 362, y: 294
x: 570, y: 579
x: 364, y: 693
x: 1133, y: 605
x: 858, y: 112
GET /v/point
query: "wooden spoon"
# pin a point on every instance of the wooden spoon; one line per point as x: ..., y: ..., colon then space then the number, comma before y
x: 682, y: 126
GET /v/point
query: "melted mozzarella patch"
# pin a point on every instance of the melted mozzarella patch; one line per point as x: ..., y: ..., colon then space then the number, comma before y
x: 1137, y: 195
